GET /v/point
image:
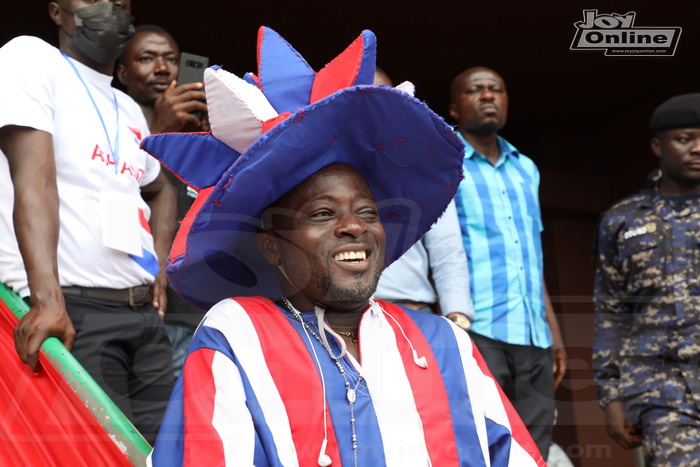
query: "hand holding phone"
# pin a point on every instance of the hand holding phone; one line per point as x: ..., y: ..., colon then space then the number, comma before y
x: 183, y: 108
x: 191, y: 68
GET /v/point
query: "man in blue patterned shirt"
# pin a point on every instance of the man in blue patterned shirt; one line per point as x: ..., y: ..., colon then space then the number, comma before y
x: 647, y: 295
x: 499, y: 212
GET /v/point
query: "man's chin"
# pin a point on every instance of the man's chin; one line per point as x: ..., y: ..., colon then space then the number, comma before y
x: 489, y: 126
x: 350, y: 297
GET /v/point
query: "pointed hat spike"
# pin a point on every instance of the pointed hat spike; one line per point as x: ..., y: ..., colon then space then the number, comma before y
x: 236, y: 109
x: 355, y: 65
x: 285, y: 77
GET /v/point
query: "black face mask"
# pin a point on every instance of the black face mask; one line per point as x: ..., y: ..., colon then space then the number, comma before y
x: 102, y: 31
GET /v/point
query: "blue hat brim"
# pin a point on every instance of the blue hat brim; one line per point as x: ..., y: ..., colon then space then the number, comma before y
x: 409, y: 157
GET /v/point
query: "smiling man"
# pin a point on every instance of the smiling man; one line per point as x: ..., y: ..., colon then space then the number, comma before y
x: 297, y: 215
x: 646, y: 351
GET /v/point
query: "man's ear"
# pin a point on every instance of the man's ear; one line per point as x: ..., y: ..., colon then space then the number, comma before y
x: 268, y: 243
x: 121, y: 74
x: 656, y: 146
x: 452, y: 110
x: 55, y: 13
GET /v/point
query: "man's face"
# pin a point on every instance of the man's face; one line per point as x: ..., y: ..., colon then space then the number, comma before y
x: 479, y: 101
x: 151, y: 63
x: 62, y: 11
x: 679, y: 151
x: 329, y: 240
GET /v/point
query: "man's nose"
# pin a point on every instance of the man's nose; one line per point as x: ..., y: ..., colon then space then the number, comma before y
x: 487, y: 95
x: 695, y: 148
x: 350, y: 225
x: 161, y: 66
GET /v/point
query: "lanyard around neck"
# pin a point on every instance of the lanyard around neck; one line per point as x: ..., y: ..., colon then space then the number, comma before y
x: 114, y: 148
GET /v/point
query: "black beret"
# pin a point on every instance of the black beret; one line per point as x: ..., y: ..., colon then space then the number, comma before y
x: 678, y: 112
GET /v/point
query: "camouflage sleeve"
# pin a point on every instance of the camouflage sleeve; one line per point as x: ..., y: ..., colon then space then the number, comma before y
x: 613, y: 318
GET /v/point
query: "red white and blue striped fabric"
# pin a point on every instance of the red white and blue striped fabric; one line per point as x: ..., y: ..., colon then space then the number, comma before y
x: 251, y: 394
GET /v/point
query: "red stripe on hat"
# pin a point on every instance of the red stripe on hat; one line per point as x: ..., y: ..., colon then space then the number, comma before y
x: 144, y: 221
x: 202, y: 445
x: 340, y: 73
x: 180, y: 242
x: 301, y: 394
x: 517, y: 427
x: 431, y: 399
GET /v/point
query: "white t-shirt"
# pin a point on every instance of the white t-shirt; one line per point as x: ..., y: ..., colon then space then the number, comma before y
x: 100, y: 207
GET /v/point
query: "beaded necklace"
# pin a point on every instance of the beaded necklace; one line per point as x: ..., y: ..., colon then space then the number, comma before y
x: 351, y: 392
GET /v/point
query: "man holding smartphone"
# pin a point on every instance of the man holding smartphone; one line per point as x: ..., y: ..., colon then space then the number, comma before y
x: 148, y: 68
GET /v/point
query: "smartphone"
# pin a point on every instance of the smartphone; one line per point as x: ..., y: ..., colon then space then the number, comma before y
x: 192, y: 71
x: 191, y: 68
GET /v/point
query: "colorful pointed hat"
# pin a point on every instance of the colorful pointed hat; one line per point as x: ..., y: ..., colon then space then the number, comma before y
x: 273, y: 130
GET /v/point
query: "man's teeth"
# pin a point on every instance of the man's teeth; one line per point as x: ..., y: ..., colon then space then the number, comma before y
x: 351, y: 256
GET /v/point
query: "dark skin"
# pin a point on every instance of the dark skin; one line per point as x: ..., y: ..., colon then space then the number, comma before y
x: 678, y: 150
x: 619, y: 427
x: 149, y: 71
x: 30, y: 155
x: 327, y: 240
x: 60, y: 13
x: 480, y: 107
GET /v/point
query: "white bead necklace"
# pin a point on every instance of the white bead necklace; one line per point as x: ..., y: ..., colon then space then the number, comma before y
x: 351, y: 392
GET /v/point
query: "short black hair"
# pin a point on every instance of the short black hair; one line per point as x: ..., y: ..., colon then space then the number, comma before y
x: 145, y: 28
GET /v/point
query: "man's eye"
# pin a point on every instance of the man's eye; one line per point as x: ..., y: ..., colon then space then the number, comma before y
x: 368, y: 213
x: 145, y: 59
x: 320, y: 214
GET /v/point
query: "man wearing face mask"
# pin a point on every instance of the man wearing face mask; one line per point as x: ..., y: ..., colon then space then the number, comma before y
x: 87, y: 217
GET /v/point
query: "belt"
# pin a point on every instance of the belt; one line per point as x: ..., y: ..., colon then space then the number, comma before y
x: 133, y: 296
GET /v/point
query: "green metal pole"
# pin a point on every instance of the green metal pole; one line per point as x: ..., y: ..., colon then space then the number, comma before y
x: 113, y: 420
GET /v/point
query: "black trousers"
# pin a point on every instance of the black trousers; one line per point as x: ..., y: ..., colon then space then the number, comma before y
x: 127, y: 352
x: 525, y: 373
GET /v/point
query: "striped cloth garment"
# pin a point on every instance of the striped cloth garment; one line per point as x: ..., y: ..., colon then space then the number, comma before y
x: 253, y: 385
x: 499, y: 213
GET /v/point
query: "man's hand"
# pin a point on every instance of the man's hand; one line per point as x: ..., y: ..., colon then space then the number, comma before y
x: 43, y: 320
x: 619, y: 427
x: 172, y: 109
x: 460, y: 319
x: 160, y: 196
x: 560, y: 358
x: 160, y: 299
x: 33, y: 169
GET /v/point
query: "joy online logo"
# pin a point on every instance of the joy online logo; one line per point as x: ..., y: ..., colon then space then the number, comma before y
x: 617, y: 35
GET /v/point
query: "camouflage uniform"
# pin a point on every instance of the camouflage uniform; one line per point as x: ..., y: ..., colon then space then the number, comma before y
x: 647, y: 341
